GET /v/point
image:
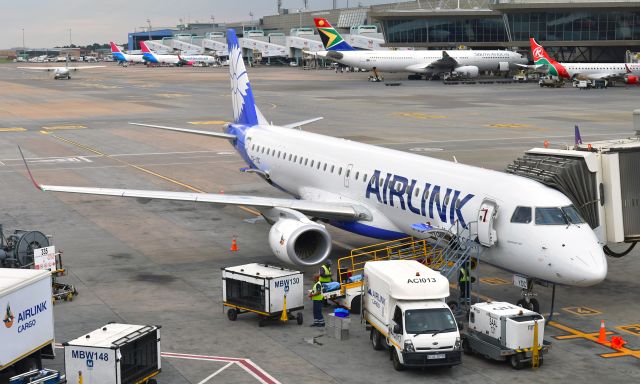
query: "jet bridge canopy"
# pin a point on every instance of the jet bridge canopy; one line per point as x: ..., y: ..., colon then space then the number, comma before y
x: 569, y: 175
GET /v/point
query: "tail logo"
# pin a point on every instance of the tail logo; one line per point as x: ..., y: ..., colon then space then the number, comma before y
x: 331, y: 36
x: 538, y: 53
x: 8, y: 317
x: 239, y: 81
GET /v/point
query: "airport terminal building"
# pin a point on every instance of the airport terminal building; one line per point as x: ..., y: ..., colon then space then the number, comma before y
x: 572, y: 31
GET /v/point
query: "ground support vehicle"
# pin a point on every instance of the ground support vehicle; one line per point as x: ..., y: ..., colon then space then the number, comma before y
x: 43, y: 376
x: 502, y: 331
x: 351, y: 268
x: 114, y: 354
x: 405, y: 307
x: 26, y: 312
x: 273, y: 293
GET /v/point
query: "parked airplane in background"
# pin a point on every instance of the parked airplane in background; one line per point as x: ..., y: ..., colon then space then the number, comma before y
x: 523, y: 226
x: 63, y: 72
x: 629, y: 73
x: 122, y: 57
x: 155, y: 58
x: 421, y: 62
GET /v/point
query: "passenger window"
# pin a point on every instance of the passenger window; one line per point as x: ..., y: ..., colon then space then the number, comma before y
x: 364, y: 178
x: 262, y: 149
x: 253, y: 146
x: 279, y: 153
x: 425, y: 195
x: 319, y: 164
x: 417, y: 192
x: 357, y: 174
x: 347, y: 173
x: 332, y: 167
x: 325, y: 167
x: 295, y: 158
x: 311, y: 163
x: 381, y: 182
x: 290, y: 157
x: 306, y: 161
x: 340, y: 171
x: 521, y: 215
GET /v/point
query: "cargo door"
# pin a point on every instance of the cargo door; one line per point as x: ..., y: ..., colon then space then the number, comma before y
x: 486, y: 215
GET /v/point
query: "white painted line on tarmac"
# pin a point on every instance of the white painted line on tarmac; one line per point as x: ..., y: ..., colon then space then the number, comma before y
x: 211, y: 376
x: 2, y: 164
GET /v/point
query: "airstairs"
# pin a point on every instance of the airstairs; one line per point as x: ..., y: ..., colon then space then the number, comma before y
x: 458, y: 246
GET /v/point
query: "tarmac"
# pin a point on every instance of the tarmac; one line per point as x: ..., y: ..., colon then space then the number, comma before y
x: 159, y: 263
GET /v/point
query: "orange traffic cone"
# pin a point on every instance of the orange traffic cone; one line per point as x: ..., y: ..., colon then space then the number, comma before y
x: 234, y: 245
x: 602, y: 337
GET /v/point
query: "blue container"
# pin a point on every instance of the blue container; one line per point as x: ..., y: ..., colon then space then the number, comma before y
x: 341, y: 312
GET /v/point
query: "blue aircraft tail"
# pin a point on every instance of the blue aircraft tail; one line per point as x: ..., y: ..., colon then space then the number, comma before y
x: 245, y: 111
x: 578, y: 138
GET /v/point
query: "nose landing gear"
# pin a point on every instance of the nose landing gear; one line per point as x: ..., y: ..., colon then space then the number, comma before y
x: 529, y: 300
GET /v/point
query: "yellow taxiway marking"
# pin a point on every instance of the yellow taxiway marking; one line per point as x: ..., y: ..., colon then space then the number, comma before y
x: 63, y: 127
x: 495, y: 281
x: 13, y: 129
x: 171, y: 95
x: 582, y: 311
x: 509, y: 126
x: 593, y: 336
x: 633, y: 329
x: 208, y: 122
x: 145, y: 170
x: 418, y: 115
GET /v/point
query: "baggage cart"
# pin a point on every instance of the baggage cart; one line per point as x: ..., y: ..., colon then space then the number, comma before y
x: 269, y: 291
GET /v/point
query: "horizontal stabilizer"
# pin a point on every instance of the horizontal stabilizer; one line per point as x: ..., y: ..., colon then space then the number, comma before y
x: 194, y: 131
x: 303, y: 122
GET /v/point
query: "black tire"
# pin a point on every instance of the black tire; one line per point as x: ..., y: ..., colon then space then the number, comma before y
x: 232, y: 314
x: 466, y: 347
x: 397, y: 365
x: 152, y: 381
x: 356, y: 305
x: 532, y: 305
x: 516, y: 361
x: 376, y: 340
x: 299, y: 318
x: 540, y: 360
x: 262, y: 322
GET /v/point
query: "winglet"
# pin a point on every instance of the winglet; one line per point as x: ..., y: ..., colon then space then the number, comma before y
x: 33, y: 180
x: 578, y: 138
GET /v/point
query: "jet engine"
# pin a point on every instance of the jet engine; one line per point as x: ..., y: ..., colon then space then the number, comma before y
x: 299, y: 241
x: 631, y: 79
x: 467, y: 71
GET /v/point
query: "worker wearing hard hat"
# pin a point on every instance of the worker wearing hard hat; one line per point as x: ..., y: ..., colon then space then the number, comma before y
x: 316, y: 297
x: 325, y: 272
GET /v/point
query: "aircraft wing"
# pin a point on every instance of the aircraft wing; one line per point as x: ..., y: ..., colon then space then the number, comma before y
x: 319, y: 209
x: 542, y: 68
x: 445, y: 63
x: 86, y: 67
x: 194, y: 131
x: 41, y: 68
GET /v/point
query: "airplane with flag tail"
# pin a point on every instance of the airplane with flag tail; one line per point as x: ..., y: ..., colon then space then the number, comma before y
x: 522, y: 225
x: 629, y: 73
x: 122, y: 57
x: 427, y: 63
x: 151, y: 57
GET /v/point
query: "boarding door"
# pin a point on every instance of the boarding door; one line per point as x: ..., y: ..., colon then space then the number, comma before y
x: 347, y: 175
x: 486, y: 215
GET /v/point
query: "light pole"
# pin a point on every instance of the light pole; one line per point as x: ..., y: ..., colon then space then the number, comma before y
x: 23, y: 47
x: 149, y: 30
x: 70, y: 42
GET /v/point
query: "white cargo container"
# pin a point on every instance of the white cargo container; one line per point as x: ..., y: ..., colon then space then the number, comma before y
x: 261, y: 289
x: 504, y: 331
x: 114, y: 354
x: 405, y: 305
x: 27, y: 332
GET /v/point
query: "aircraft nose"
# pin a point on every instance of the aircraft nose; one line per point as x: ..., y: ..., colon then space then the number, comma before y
x: 591, y: 267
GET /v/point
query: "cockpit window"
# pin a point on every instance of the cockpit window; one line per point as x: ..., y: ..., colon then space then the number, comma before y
x: 573, y: 215
x: 558, y: 216
x: 521, y: 215
x: 550, y: 216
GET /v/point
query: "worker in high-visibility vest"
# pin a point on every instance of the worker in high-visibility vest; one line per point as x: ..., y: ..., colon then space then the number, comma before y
x: 463, y: 284
x: 325, y: 272
x: 316, y: 297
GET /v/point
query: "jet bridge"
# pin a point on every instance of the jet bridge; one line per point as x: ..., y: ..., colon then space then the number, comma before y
x: 158, y: 45
x: 184, y: 46
x: 266, y: 49
x: 368, y: 41
x: 600, y: 178
x: 219, y: 47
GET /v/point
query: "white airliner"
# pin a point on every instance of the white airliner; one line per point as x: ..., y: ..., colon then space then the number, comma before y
x: 155, y: 58
x: 62, y: 72
x: 122, y: 57
x: 422, y: 62
x: 525, y: 227
x: 627, y: 72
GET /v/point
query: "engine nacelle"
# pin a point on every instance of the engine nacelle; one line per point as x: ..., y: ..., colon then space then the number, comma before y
x: 468, y: 71
x: 300, y: 242
x: 631, y: 79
